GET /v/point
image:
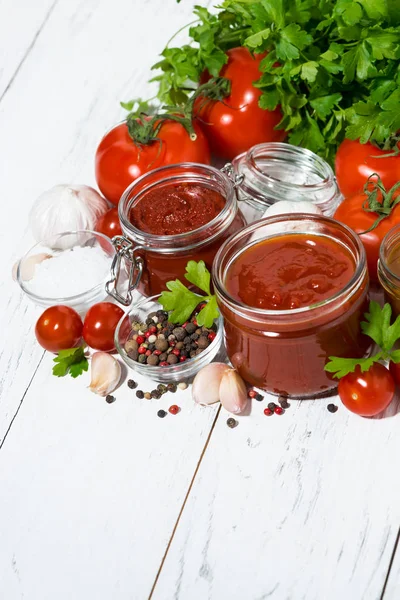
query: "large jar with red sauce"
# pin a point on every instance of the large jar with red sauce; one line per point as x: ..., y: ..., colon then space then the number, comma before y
x: 292, y: 290
x: 169, y: 216
x: 389, y: 268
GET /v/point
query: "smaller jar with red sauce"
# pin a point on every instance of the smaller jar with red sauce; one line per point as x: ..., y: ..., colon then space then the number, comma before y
x: 172, y: 215
x: 389, y: 268
x: 292, y: 290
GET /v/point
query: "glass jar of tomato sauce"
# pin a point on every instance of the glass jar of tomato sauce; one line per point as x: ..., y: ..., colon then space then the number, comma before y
x: 169, y: 216
x: 277, y: 171
x: 292, y: 290
x: 389, y: 268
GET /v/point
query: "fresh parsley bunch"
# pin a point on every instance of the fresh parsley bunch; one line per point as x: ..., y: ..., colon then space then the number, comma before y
x: 377, y: 326
x: 332, y: 65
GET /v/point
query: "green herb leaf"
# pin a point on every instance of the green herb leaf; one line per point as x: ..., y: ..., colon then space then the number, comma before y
x: 198, y: 274
x: 340, y: 367
x: 377, y: 321
x: 179, y: 300
x: 71, y: 361
x: 210, y: 312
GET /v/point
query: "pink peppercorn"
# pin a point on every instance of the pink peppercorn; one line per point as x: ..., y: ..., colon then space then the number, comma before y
x: 212, y: 336
x: 157, y: 352
x: 174, y: 409
x: 182, y: 358
x: 252, y: 394
x: 148, y: 352
x: 163, y: 364
x: 279, y: 410
x: 176, y: 351
x: 152, y: 329
x: 267, y: 412
x: 142, y: 350
x: 140, y: 339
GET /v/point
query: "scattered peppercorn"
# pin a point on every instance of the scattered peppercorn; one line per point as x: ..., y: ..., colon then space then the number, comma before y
x: 231, y: 423
x: 162, y: 388
x: 140, y: 394
x: 283, y: 402
x: 182, y: 385
x: 147, y: 395
x: 156, y: 394
x: 252, y: 393
x: 174, y: 409
x: 267, y: 412
x: 279, y: 410
x: 171, y: 387
x: 259, y: 397
x: 272, y: 406
x: 132, y: 384
x: 110, y: 399
x: 161, y: 414
x: 332, y: 408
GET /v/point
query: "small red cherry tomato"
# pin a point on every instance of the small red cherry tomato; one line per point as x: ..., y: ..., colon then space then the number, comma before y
x: 108, y: 224
x: 367, y: 394
x: 99, y: 325
x: 394, y: 369
x: 58, y: 328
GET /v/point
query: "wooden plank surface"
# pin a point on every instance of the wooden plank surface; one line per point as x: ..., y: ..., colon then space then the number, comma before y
x: 302, y: 506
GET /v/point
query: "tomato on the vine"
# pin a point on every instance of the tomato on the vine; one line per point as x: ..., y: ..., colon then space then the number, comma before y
x: 58, y: 328
x: 108, y: 224
x: 367, y: 394
x: 99, y: 325
x: 351, y: 213
x: 237, y: 123
x: 355, y: 162
x: 120, y: 160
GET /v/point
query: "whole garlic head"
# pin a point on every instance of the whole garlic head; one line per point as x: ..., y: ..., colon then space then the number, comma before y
x: 66, y: 208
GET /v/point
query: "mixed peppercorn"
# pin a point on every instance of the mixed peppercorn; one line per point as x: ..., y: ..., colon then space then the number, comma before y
x: 158, y: 342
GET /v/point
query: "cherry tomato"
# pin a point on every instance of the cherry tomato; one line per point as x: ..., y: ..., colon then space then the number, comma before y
x: 355, y: 162
x: 58, y: 328
x: 238, y: 123
x: 367, y: 394
x: 119, y: 161
x: 351, y: 213
x: 109, y: 224
x: 394, y: 369
x: 99, y: 325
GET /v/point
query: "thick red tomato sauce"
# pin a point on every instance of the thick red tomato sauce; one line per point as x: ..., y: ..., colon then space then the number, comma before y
x: 290, y: 271
x: 176, y: 208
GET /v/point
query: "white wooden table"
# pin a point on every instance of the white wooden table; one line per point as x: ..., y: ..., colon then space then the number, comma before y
x: 106, y: 502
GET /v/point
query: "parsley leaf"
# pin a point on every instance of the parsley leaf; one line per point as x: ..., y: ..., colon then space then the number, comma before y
x: 340, y: 367
x: 182, y: 301
x: 71, y: 361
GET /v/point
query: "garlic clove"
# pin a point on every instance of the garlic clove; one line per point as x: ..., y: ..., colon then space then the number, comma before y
x: 205, y: 388
x: 233, y: 392
x: 28, y: 265
x: 105, y: 373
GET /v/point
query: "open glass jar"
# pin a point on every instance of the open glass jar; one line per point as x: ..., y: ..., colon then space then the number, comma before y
x: 152, y: 260
x: 389, y: 268
x: 277, y: 171
x: 285, y: 351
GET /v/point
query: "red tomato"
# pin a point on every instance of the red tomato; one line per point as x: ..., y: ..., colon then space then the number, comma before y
x: 99, y: 325
x: 58, y: 328
x: 351, y: 213
x: 238, y: 123
x: 354, y: 163
x: 119, y: 161
x: 109, y: 224
x: 367, y: 394
x: 394, y: 369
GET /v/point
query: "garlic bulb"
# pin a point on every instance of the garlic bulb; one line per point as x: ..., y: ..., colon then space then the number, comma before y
x: 27, y: 266
x: 66, y: 208
x: 105, y: 373
x: 205, y: 388
x: 284, y: 207
x: 232, y: 392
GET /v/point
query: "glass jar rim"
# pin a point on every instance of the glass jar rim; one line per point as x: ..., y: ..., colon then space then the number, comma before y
x: 261, y: 312
x: 167, y: 240
x: 281, y: 151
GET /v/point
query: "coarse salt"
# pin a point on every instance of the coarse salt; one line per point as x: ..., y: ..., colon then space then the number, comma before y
x: 70, y: 272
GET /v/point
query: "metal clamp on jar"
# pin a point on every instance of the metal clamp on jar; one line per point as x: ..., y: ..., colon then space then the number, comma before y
x: 152, y: 260
x: 276, y: 171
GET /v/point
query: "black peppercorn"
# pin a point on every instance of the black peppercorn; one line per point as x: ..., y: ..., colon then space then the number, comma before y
x: 161, y: 414
x: 110, y: 399
x: 156, y: 394
x: 140, y: 394
x: 132, y: 384
x: 332, y: 408
x: 171, y: 387
x: 190, y: 328
x: 259, y: 397
x: 283, y: 402
x: 272, y: 406
x: 231, y: 423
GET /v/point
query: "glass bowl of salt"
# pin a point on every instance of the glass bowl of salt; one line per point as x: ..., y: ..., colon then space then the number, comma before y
x: 69, y: 268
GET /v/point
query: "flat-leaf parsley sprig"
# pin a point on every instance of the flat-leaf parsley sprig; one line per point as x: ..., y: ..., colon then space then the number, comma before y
x: 71, y: 361
x: 377, y: 326
x: 182, y: 301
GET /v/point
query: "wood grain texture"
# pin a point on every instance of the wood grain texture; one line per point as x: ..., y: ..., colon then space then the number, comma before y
x: 392, y: 587
x: 301, y: 506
